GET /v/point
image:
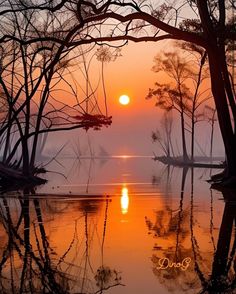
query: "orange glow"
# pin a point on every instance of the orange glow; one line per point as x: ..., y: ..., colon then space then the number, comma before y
x: 124, y: 201
x: 124, y: 99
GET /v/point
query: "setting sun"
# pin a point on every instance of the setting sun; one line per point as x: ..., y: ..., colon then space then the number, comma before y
x: 124, y: 99
x: 124, y: 201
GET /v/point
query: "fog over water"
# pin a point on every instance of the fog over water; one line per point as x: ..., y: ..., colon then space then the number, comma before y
x: 130, y: 137
x: 130, y: 132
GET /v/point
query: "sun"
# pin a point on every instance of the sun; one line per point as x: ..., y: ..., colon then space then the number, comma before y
x: 124, y: 99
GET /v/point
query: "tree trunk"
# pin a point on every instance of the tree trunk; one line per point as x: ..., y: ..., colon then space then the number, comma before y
x: 218, y: 91
x: 25, y: 156
x: 8, y: 135
x: 192, y: 138
x: 212, y: 137
x: 185, y: 152
x: 220, y: 262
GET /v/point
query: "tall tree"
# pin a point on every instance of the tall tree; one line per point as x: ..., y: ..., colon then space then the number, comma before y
x: 183, y: 93
x: 208, y: 24
x: 210, y: 114
x: 34, y: 70
x: 164, y: 135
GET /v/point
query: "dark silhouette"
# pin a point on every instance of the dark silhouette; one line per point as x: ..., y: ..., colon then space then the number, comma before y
x: 211, y: 27
x: 215, y: 270
x: 29, y: 262
x: 210, y: 114
x: 177, y: 94
x: 223, y: 275
x: 34, y: 73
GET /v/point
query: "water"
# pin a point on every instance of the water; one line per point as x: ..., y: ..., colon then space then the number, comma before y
x: 117, y: 225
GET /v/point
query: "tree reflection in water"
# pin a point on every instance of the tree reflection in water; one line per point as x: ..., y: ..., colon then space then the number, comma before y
x: 223, y: 275
x: 179, y: 262
x: 30, y: 264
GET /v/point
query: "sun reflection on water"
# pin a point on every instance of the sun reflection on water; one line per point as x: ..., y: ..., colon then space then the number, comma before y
x: 124, y: 201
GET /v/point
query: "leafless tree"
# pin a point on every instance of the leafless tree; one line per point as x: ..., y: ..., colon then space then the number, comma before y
x: 208, y: 24
x: 210, y: 114
x: 28, y: 261
x: 185, y: 95
x: 164, y: 135
x: 33, y: 75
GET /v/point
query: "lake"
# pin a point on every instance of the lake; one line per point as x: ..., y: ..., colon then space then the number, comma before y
x: 121, y: 224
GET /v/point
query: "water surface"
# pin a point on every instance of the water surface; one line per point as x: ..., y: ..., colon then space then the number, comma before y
x: 117, y: 225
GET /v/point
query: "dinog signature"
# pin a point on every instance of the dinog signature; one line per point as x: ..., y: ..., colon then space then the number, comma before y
x: 165, y: 263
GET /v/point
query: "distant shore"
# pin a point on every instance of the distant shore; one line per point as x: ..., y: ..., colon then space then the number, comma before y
x: 200, y: 161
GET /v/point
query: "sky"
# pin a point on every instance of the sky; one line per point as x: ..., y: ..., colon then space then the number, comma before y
x: 130, y: 132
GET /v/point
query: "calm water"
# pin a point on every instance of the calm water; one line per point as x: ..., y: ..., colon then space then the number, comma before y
x: 118, y: 225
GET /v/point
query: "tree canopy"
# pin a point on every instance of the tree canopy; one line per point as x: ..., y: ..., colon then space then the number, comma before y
x: 208, y: 24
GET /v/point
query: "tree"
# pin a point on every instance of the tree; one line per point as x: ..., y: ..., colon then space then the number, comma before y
x: 32, y: 76
x: 175, y: 97
x: 164, y: 135
x: 208, y: 24
x: 30, y: 263
x: 211, y: 25
x: 210, y: 114
x: 184, y: 92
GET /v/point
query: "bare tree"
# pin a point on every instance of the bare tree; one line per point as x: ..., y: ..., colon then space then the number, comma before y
x: 208, y: 24
x: 210, y: 114
x: 178, y: 95
x: 164, y: 135
x: 32, y: 76
x: 29, y: 263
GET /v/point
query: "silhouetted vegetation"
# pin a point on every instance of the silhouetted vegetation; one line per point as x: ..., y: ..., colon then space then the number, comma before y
x: 42, y: 35
x: 29, y: 260
x: 175, y: 261
x: 183, y: 93
x: 209, y: 25
x: 39, y: 93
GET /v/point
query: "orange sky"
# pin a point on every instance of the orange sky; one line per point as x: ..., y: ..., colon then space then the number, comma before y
x: 131, y: 74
